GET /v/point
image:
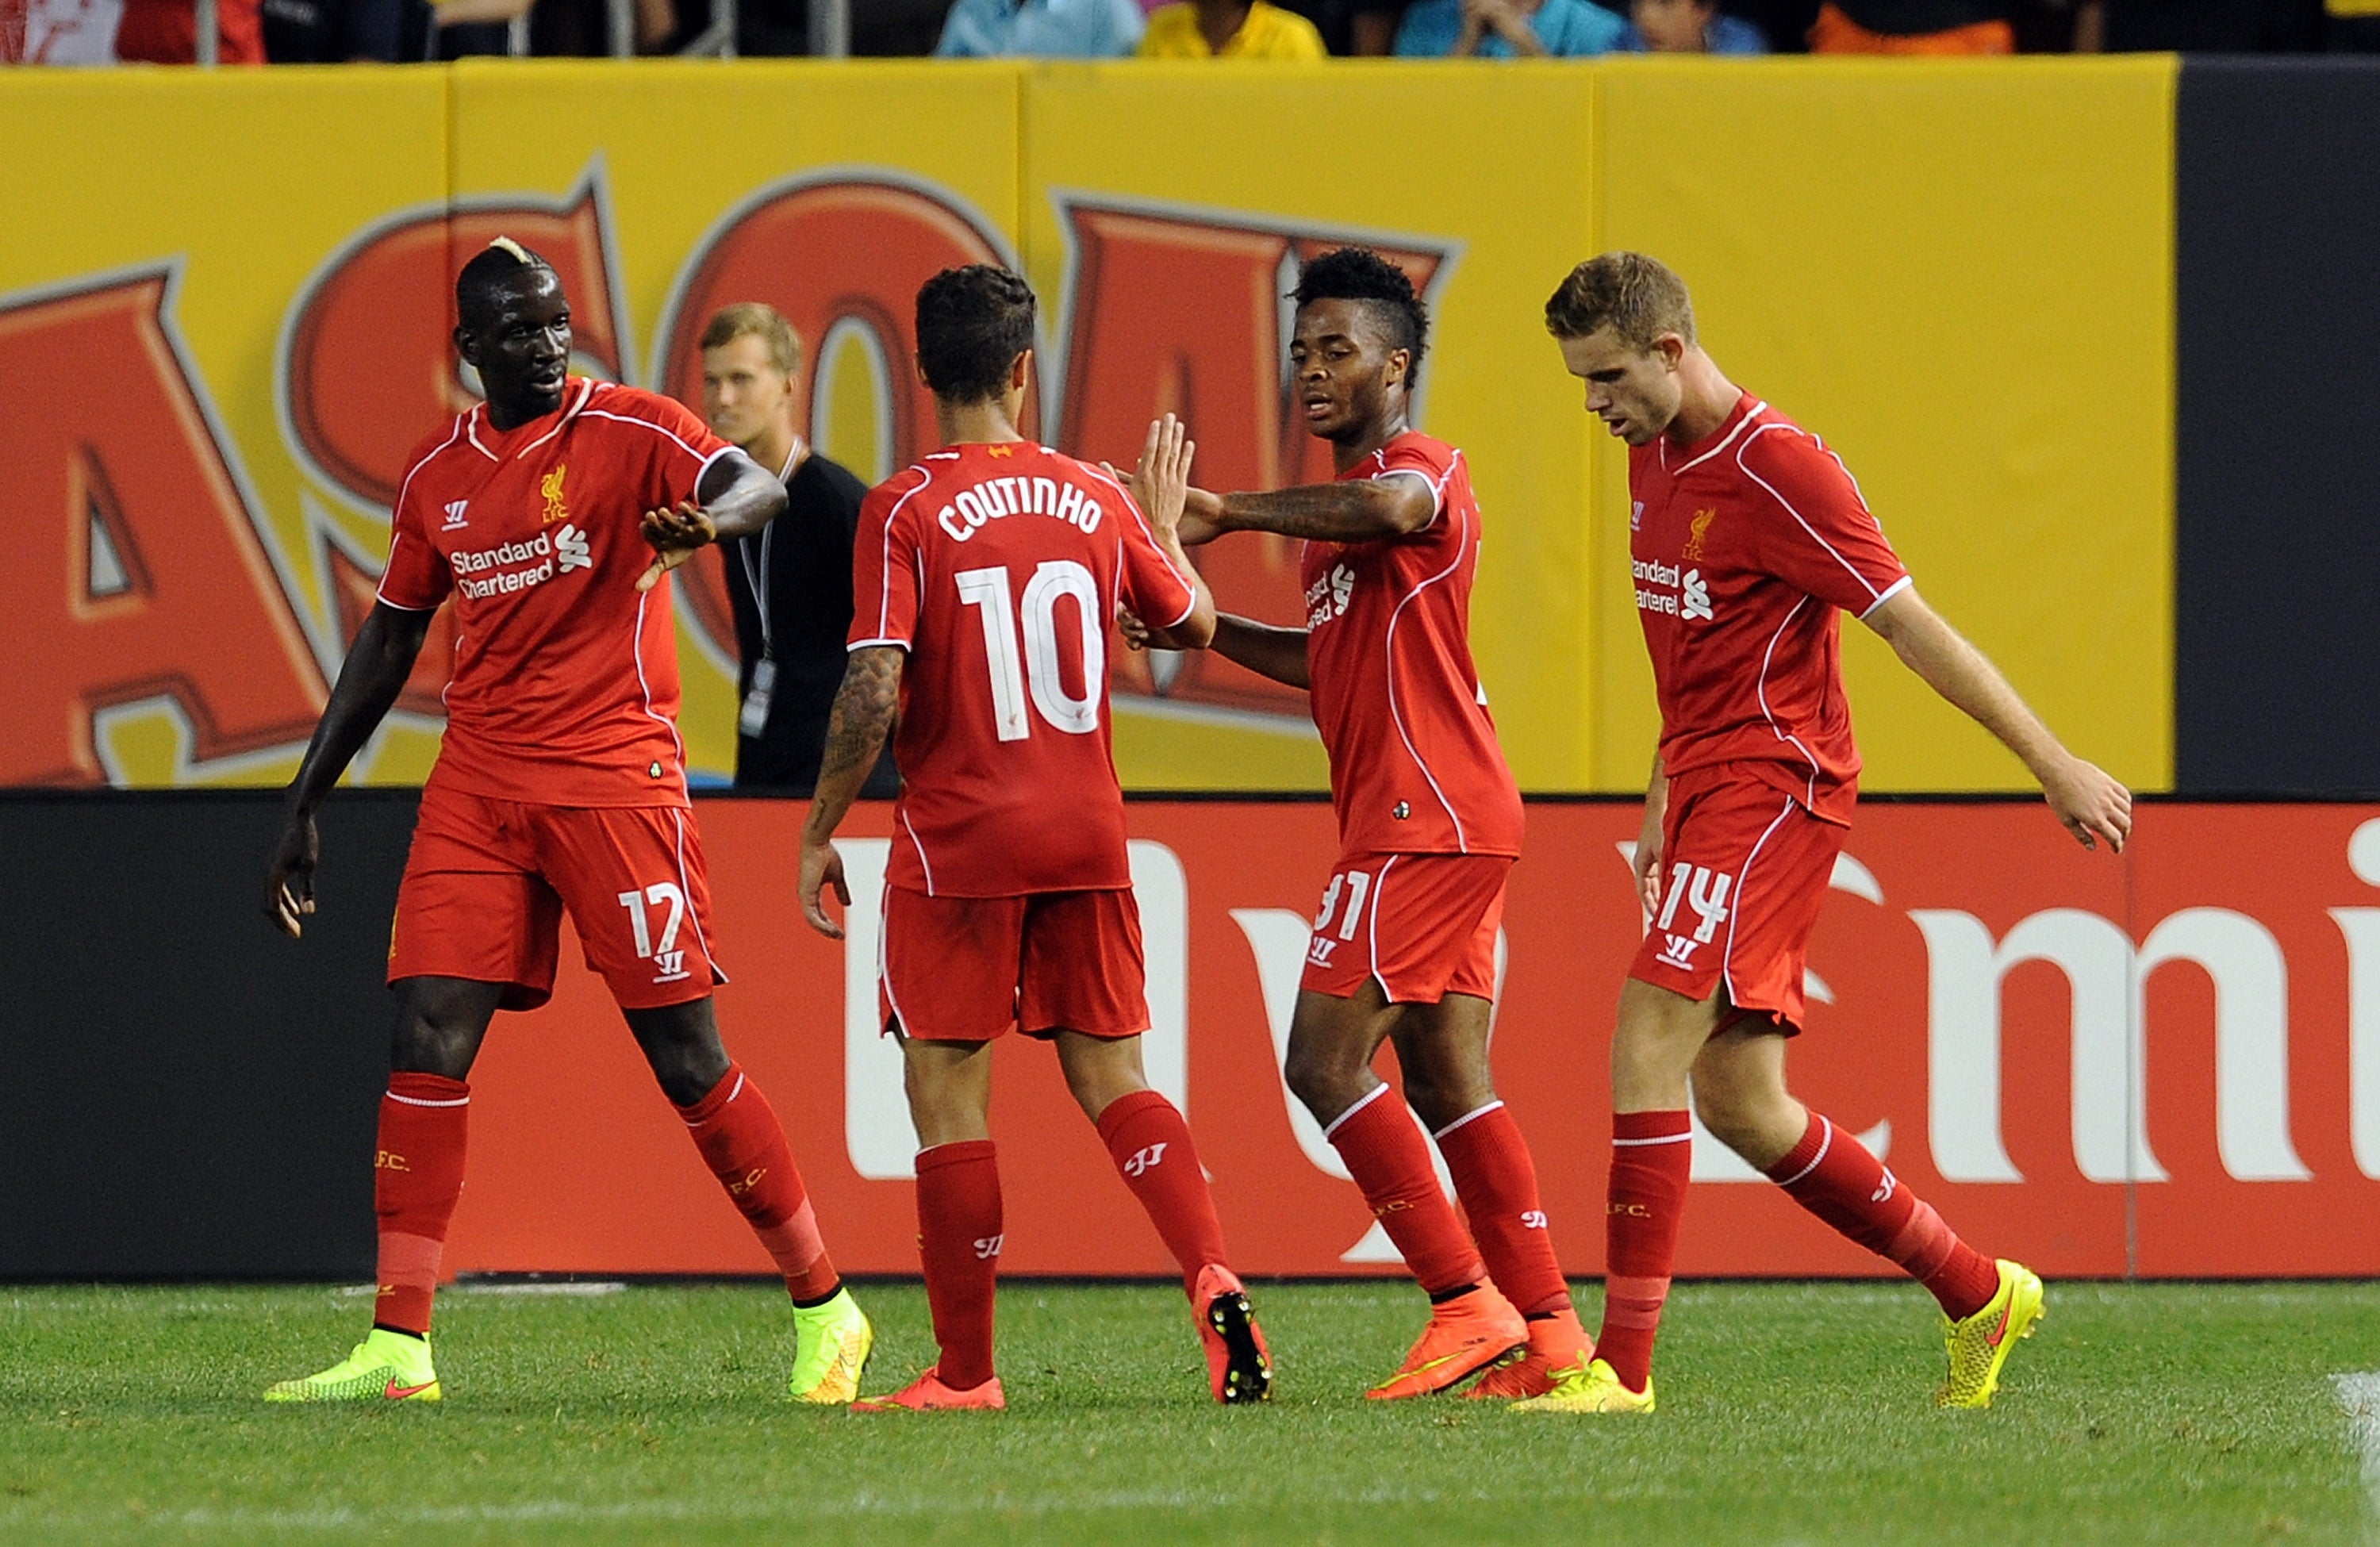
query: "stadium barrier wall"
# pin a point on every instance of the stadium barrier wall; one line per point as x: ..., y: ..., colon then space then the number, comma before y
x: 214, y: 362
x: 2166, y: 1064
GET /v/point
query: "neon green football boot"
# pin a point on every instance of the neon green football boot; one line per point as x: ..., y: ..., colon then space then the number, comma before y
x: 1982, y: 1343
x: 833, y: 1342
x: 1594, y: 1388
x: 386, y: 1367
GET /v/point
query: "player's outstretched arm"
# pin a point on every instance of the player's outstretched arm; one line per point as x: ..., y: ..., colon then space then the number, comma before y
x: 864, y: 709
x: 1358, y: 510
x: 377, y: 664
x: 735, y: 498
x: 1279, y: 653
x: 2091, y: 804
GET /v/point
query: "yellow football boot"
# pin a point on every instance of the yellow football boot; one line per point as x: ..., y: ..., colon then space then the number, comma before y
x: 1597, y: 1388
x: 1980, y: 1345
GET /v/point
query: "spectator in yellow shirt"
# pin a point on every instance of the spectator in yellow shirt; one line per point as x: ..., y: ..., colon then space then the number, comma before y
x: 1229, y: 30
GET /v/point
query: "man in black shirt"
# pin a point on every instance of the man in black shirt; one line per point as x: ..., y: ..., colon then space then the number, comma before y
x: 791, y: 585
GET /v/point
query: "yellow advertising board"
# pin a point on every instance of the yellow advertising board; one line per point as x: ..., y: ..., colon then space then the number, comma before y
x: 225, y: 306
x: 1960, y: 277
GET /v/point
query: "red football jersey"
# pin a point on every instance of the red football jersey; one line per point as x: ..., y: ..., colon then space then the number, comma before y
x: 999, y: 568
x: 1745, y: 546
x: 564, y: 689
x: 1414, y: 765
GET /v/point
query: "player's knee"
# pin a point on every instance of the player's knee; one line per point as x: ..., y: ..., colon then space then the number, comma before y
x: 1325, y: 1082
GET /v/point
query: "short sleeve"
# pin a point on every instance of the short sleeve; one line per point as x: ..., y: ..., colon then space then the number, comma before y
x: 417, y: 578
x: 679, y: 449
x: 1410, y: 457
x: 1146, y: 581
x: 1826, y: 542
x: 884, y: 565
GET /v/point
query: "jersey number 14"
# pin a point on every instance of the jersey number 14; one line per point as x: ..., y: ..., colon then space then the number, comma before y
x: 1033, y: 670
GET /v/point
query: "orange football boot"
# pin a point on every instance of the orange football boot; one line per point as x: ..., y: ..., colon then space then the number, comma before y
x: 1239, y: 1366
x: 928, y: 1394
x: 1465, y: 1335
x: 1556, y: 1343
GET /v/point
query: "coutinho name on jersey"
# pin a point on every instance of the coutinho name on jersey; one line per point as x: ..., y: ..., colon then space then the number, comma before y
x: 997, y: 498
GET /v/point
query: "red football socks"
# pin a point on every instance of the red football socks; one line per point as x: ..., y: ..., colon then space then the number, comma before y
x: 1652, y: 1153
x: 1834, y: 1177
x: 959, y: 1238
x: 417, y: 1177
x: 745, y: 1146
x: 1150, y: 1145
x: 1385, y: 1153
x: 1497, y: 1184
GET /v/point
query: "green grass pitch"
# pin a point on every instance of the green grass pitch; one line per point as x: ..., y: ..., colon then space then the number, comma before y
x: 1790, y: 1413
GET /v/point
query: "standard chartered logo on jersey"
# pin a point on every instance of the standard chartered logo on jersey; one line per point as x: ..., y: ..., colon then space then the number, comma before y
x: 1662, y: 587
x: 512, y: 567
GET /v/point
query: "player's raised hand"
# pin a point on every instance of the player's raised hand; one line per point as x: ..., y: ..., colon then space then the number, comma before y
x: 1160, y: 482
x: 674, y: 535
x: 2091, y: 804
x: 289, y: 880
x: 822, y: 868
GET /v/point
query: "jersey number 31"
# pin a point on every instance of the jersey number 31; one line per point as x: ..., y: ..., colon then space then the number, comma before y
x: 1011, y: 680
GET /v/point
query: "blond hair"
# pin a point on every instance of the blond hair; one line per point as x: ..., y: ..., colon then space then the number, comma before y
x: 1638, y: 297
x: 757, y: 320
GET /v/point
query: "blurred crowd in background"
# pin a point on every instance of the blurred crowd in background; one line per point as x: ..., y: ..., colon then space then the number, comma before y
x: 315, y: 32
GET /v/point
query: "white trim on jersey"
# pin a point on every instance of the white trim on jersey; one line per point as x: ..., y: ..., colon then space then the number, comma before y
x: 884, y: 568
x: 1388, y: 653
x: 1744, y: 878
x: 1740, y: 425
x: 397, y: 533
x: 1760, y: 686
x: 923, y: 863
x: 1189, y: 582
x: 657, y: 429
x: 586, y: 391
x: 1805, y: 525
x: 1437, y: 485
x: 694, y: 914
x: 471, y: 422
x: 1890, y: 592
x: 638, y: 651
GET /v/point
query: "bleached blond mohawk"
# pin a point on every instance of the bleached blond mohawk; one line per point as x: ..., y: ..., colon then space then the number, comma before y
x: 492, y: 269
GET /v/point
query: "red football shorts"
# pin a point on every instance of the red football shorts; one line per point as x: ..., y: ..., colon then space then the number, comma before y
x: 1423, y: 924
x: 965, y: 970
x: 1746, y: 869
x: 487, y: 882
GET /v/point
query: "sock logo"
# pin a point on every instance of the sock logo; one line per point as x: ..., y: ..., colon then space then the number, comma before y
x: 1393, y: 1206
x: 1145, y: 1160
x: 388, y: 1160
x: 988, y: 1246
x: 1634, y: 1211
x: 737, y: 1187
x: 1884, y: 1191
x: 1532, y: 1219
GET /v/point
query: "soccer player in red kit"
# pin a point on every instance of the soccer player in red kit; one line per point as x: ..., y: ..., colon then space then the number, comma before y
x: 549, y: 516
x: 1748, y: 539
x: 985, y: 580
x: 1430, y: 824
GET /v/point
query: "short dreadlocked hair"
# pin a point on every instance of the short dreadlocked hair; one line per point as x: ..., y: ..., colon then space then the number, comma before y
x: 1359, y: 273
x: 478, y: 290
x: 972, y: 323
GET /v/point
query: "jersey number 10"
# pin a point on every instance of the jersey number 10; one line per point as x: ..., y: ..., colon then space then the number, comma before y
x: 1011, y: 679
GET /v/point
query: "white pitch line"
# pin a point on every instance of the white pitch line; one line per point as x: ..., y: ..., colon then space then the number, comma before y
x: 2360, y: 1394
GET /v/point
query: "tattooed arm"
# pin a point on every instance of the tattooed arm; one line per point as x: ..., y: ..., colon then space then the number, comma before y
x: 1361, y: 510
x: 863, y: 709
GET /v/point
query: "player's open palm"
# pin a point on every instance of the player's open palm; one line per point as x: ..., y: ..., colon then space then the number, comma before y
x: 822, y: 868
x: 2091, y: 803
x: 674, y: 536
x: 289, y: 883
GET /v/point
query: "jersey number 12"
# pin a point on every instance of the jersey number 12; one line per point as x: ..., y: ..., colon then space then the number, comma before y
x: 1034, y: 670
